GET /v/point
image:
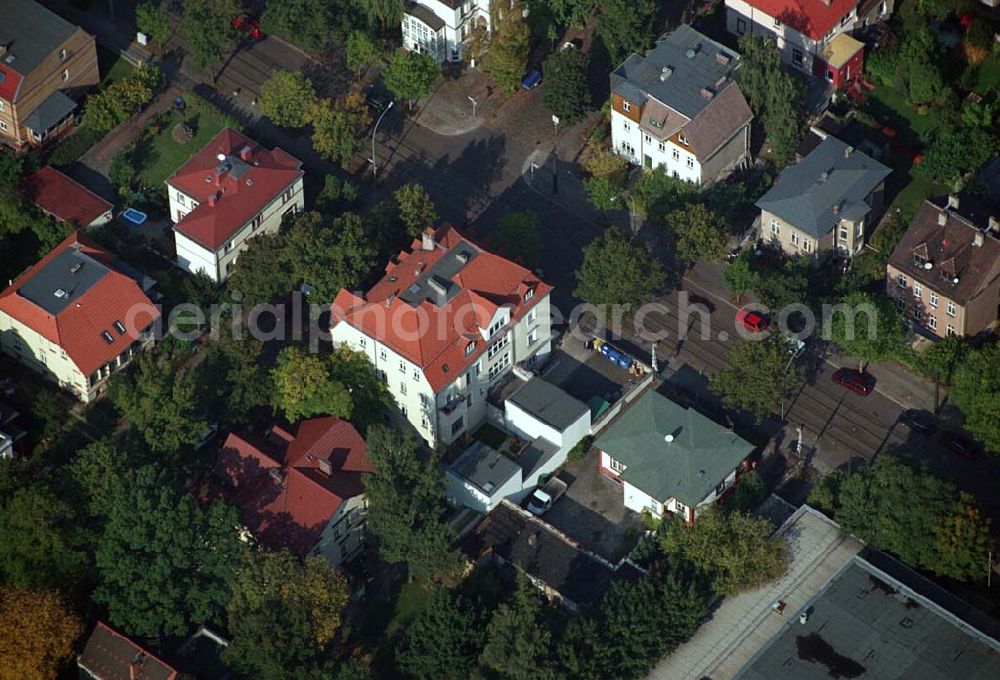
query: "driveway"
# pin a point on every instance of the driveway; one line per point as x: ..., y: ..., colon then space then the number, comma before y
x: 592, y: 513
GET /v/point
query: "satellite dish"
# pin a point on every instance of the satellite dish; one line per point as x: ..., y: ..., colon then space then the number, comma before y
x: 668, y: 438
x: 928, y: 265
x: 221, y: 157
x: 955, y: 280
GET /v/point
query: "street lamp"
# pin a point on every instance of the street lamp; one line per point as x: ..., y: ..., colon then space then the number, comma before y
x: 474, y: 102
x: 374, y: 159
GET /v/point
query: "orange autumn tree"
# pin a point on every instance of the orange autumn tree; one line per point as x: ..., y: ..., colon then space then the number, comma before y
x: 37, y: 632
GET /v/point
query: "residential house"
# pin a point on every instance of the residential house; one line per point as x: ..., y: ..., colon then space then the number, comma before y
x: 46, y: 65
x: 679, y: 107
x: 441, y: 28
x: 808, y: 32
x: 945, y: 271
x: 300, y: 488
x: 482, y: 477
x: 65, y: 199
x: 670, y: 459
x: 516, y: 540
x: 109, y: 655
x: 823, y: 204
x: 77, y: 316
x: 446, y: 321
x: 229, y: 192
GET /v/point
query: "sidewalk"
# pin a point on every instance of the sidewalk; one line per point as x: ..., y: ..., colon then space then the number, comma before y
x: 448, y: 111
x: 893, y: 380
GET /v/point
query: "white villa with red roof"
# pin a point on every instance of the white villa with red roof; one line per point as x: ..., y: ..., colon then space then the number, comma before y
x: 300, y: 488
x: 227, y: 193
x: 805, y: 30
x: 77, y: 316
x: 446, y: 322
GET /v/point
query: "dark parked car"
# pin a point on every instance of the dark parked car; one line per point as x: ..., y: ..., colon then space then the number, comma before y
x: 854, y: 380
x: 532, y: 80
x: 961, y: 444
x: 919, y: 421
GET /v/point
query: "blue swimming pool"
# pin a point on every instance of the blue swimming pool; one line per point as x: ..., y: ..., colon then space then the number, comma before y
x: 134, y: 216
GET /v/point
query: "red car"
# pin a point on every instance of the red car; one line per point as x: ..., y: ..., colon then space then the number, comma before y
x: 855, y: 381
x: 755, y: 322
x: 249, y: 25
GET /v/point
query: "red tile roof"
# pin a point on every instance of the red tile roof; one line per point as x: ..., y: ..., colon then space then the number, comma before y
x: 109, y: 655
x: 78, y: 328
x: 64, y: 198
x: 237, y: 199
x: 285, y: 496
x: 435, y: 337
x: 814, y: 18
x: 10, y: 83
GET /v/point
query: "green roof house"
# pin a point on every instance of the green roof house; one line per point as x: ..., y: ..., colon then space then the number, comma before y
x: 669, y: 458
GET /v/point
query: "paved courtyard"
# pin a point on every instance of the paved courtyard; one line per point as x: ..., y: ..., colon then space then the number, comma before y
x: 592, y: 513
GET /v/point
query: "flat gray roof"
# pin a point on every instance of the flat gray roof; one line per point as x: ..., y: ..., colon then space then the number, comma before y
x: 65, y: 278
x: 485, y: 467
x: 865, y: 623
x: 435, y: 284
x: 548, y: 403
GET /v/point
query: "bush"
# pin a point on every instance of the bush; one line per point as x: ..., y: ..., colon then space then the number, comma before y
x: 71, y: 148
x: 581, y: 449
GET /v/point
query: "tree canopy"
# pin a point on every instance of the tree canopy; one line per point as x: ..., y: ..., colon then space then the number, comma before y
x: 517, y: 237
x: 152, y: 19
x: 443, y: 641
x: 287, y: 98
x: 867, y: 328
x: 164, y: 564
x: 617, y: 269
x: 734, y: 550
x: 760, y: 375
x: 975, y: 390
x: 362, y: 52
x: 282, y: 614
x: 303, y: 387
x: 518, y: 638
x: 416, y: 209
x: 698, y: 233
x: 565, y: 90
x: 338, y: 126
x: 37, y: 634
x: 410, y: 76
x: 510, y: 44
x: 625, y: 26
x: 208, y: 29
x: 773, y: 94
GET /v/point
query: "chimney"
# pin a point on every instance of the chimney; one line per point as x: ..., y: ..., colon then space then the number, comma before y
x: 281, y: 433
x: 707, y: 93
x: 135, y: 666
x: 427, y: 240
x: 977, y: 240
x: 665, y: 73
x: 952, y: 202
x: 723, y: 58
x: 994, y: 225
x: 942, y: 218
x: 848, y: 151
x: 325, y: 467
x: 246, y: 154
x: 213, y: 198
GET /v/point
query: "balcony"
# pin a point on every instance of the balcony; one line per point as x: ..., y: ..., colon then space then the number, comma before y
x: 454, y: 402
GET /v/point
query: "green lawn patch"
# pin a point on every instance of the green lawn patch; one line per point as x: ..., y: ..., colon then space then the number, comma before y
x: 412, y: 598
x: 111, y: 66
x: 989, y: 75
x: 891, y: 108
x: 914, y: 193
x: 157, y: 154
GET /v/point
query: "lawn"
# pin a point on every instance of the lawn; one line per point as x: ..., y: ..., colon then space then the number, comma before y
x: 112, y: 66
x: 891, y: 108
x: 989, y: 75
x: 157, y: 155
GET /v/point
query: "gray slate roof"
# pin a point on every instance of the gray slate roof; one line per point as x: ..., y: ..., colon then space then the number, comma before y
x: 831, y: 183
x: 548, y: 403
x: 485, y: 467
x: 32, y: 31
x: 71, y: 272
x: 54, y: 108
x: 867, y: 624
x: 426, y: 15
x: 701, y: 455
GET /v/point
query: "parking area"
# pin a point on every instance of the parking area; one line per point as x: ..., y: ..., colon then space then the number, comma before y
x: 591, y: 511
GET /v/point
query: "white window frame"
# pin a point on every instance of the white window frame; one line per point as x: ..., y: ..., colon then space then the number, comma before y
x: 918, y: 289
x: 951, y: 308
x: 775, y: 227
x: 626, y: 105
x: 901, y: 281
x: 3, y: 126
x: 933, y: 299
x: 615, y: 465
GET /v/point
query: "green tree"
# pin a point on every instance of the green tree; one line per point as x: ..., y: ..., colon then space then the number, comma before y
x: 306, y: 23
x: 40, y: 546
x: 867, y: 328
x: 37, y: 634
x: 698, y: 233
x: 164, y: 564
x: 609, y: 166
x: 517, y: 237
x: 234, y: 378
x: 160, y: 401
x: 602, y: 193
x: 914, y: 515
x: 734, y: 550
x: 386, y: 13
x: 942, y: 359
x: 773, y: 94
x: 509, y: 47
x: 565, y: 91
x: 954, y: 153
x: 208, y: 29
x: 410, y: 76
x: 263, y: 272
x: 443, y: 641
x: 784, y: 283
x: 302, y: 387
x: 975, y: 390
x: 406, y: 504
x: 11, y: 168
x: 362, y: 52
x: 337, y: 195
x: 416, y: 209
x: 354, y: 670
x: 657, y: 194
x: 618, y: 270
x: 287, y: 98
x: 739, y: 277
x: 99, y: 469
x: 329, y: 256
x: 749, y: 493
x: 282, y: 614
x: 759, y: 377
x: 338, y: 127
x: 625, y: 26
x: 518, y: 638
x: 153, y: 20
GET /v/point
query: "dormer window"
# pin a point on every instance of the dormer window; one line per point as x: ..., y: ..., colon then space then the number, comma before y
x: 528, y: 294
x: 120, y: 327
x: 682, y: 138
x: 919, y: 260
x: 62, y: 55
x: 107, y: 337
x: 470, y: 348
x: 626, y: 105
